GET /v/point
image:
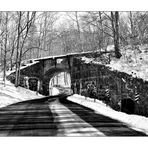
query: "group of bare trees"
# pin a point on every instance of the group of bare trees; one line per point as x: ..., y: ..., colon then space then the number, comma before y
x: 27, y: 35
x: 15, y: 28
x: 20, y: 32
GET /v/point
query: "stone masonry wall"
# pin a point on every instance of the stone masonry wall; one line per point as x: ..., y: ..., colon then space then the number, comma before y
x: 120, y: 86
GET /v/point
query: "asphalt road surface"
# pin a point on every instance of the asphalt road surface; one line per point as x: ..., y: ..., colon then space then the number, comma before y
x: 42, y: 117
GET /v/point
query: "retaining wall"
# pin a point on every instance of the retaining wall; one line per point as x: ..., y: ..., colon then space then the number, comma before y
x: 121, y: 86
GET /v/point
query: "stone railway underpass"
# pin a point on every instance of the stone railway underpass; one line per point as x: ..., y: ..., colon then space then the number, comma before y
x: 71, y: 73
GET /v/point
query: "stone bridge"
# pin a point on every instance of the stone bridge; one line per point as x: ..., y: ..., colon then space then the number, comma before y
x: 49, y: 70
x: 126, y: 93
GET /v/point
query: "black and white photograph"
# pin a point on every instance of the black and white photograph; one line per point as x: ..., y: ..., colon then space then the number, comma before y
x: 73, y: 73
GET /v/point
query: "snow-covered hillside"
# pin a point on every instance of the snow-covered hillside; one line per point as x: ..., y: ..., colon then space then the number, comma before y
x: 10, y: 94
x: 133, y: 61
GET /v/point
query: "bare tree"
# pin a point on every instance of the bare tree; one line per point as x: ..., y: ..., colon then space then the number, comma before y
x: 133, y: 34
x: 99, y: 23
x: 46, y: 35
x: 18, y: 46
x: 142, y: 26
x: 76, y: 19
x: 13, y: 43
x: 24, y: 24
x: 102, y: 32
x: 5, y: 46
x: 115, y: 27
x: 4, y: 42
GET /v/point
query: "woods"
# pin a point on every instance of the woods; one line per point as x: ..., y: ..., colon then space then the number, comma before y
x: 29, y: 35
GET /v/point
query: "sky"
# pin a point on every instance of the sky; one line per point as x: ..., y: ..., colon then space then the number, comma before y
x: 73, y: 5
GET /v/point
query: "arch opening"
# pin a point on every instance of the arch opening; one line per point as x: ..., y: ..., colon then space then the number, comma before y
x: 60, y: 83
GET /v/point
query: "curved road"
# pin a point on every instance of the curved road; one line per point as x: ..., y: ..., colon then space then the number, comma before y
x: 58, y: 117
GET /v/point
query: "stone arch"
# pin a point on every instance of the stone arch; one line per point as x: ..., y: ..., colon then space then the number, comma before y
x: 48, y: 77
x: 59, y: 80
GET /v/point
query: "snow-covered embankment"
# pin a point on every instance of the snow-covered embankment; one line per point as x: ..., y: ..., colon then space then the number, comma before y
x: 10, y: 94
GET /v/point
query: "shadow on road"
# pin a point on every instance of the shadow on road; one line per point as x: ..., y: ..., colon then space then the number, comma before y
x: 106, y: 125
x: 28, y: 118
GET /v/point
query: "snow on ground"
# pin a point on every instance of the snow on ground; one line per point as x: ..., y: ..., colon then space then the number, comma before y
x: 54, y: 91
x: 136, y: 122
x: 10, y: 94
x: 133, y: 61
x: 138, y: 69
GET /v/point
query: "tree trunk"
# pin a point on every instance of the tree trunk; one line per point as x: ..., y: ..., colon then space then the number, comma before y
x: 5, y: 49
x: 11, y: 57
x: 5, y: 56
x: 115, y: 27
x: 117, y: 51
x: 132, y: 29
x: 102, y: 31
x: 17, y: 50
x: 79, y: 31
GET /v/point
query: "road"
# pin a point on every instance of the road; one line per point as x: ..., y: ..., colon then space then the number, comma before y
x: 58, y: 117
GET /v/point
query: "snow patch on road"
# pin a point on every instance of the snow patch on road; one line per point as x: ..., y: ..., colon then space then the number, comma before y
x: 136, y: 122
